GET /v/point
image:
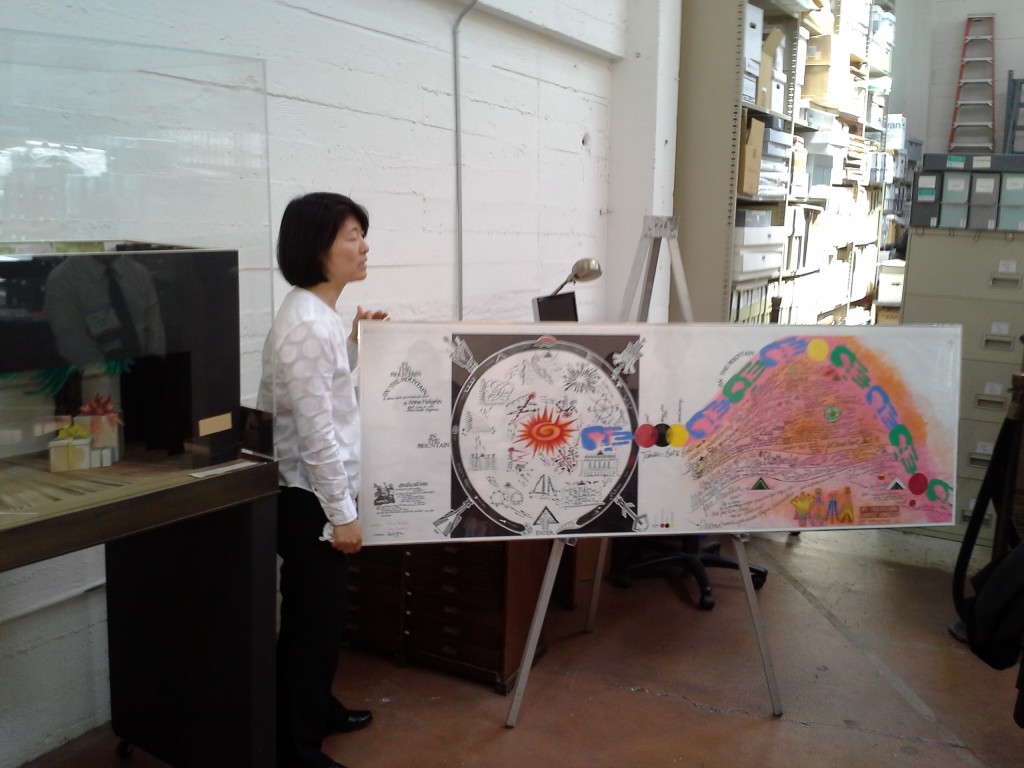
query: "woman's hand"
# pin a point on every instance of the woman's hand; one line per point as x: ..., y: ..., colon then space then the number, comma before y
x: 366, y: 314
x: 348, y: 538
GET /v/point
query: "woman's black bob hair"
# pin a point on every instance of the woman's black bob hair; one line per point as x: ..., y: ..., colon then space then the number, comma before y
x: 308, y: 228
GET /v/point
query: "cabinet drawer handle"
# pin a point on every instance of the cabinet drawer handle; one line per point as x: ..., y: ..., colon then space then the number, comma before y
x: 451, y: 631
x: 450, y: 589
x: 967, y: 514
x: 451, y: 570
x: 1001, y: 343
x: 990, y: 402
x: 979, y: 459
x: 1005, y: 281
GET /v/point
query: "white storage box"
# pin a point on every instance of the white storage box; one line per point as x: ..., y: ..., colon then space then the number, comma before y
x: 759, y: 235
x: 890, y: 282
x: 758, y: 262
x: 753, y: 19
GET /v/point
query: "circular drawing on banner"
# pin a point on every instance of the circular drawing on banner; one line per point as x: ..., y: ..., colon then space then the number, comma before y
x: 520, y: 426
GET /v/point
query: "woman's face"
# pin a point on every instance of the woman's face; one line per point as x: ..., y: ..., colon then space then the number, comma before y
x: 346, y: 260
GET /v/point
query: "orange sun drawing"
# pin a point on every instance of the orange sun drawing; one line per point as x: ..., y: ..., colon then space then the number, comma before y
x: 545, y: 432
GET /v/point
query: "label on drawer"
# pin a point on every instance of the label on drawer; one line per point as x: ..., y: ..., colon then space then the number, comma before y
x: 1007, y: 266
x: 1014, y: 183
x: 985, y: 448
x: 993, y: 388
x: 982, y: 161
x: 956, y: 184
x: 999, y: 329
x: 985, y: 186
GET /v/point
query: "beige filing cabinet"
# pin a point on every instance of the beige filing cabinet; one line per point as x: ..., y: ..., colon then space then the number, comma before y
x: 975, y: 279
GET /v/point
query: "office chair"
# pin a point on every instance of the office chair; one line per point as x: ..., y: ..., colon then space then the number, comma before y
x: 637, y: 557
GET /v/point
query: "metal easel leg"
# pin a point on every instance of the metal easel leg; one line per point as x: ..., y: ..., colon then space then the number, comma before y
x: 539, y: 612
x: 755, y: 614
x: 595, y: 590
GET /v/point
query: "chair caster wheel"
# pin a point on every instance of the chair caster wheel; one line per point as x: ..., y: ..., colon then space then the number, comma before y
x: 124, y: 749
x: 706, y: 602
x: 758, y: 580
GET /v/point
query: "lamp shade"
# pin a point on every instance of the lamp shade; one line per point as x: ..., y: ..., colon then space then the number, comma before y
x: 583, y: 271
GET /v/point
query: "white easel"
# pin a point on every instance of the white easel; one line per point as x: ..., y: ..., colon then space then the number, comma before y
x: 641, y: 278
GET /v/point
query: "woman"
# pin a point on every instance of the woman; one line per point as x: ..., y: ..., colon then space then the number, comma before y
x: 307, y: 382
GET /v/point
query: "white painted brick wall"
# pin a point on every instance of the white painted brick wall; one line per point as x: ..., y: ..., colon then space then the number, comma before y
x: 360, y: 100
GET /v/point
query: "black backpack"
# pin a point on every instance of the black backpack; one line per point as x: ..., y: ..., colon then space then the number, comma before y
x: 993, y: 616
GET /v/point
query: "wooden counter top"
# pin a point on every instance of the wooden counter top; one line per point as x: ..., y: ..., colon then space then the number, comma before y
x: 45, y: 514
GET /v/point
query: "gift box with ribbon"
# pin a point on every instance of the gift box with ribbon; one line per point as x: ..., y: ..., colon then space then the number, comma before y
x: 71, y: 450
x: 104, y: 424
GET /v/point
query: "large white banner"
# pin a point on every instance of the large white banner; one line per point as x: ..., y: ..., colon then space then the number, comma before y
x: 483, y: 430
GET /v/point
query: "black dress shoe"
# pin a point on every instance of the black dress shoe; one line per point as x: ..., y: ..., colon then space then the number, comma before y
x: 342, y: 720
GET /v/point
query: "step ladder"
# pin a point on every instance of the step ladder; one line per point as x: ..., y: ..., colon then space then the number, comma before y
x: 974, y: 124
x: 1013, y: 143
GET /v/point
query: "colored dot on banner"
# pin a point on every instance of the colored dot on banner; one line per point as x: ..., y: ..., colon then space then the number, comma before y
x: 646, y: 435
x: 677, y: 435
x: 662, y: 435
x: 817, y: 349
x: 917, y: 484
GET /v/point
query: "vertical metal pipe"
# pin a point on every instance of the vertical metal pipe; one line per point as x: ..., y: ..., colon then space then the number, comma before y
x: 458, y: 161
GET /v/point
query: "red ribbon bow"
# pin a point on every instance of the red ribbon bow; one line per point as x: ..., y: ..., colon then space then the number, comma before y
x: 100, y: 405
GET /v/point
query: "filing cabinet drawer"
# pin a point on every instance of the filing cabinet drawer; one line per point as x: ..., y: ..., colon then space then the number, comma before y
x: 953, y: 269
x: 974, y: 447
x: 985, y: 390
x: 452, y: 611
x: 991, y: 329
x: 486, y: 554
x: 461, y: 632
x: 426, y: 647
x: 465, y: 584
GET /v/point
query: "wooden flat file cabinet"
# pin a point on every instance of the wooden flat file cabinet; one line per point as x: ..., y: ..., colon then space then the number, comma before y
x: 975, y: 279
x: 464, y: 607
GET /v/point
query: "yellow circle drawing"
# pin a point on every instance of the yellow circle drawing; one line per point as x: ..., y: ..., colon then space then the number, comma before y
x: 817, y: 349
x: 677, y: 435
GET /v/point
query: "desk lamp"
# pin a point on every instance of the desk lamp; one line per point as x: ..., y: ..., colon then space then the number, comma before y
x: 583, y: 271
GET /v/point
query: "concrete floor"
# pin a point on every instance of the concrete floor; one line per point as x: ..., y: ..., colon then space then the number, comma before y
x: 868, y: 676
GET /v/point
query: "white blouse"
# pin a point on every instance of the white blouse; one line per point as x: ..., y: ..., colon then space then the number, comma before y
x: 309, y: 384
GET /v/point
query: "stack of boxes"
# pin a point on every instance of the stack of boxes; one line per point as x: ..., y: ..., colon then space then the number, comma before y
x: 759, y: 248
x: 751, y: 144
x: 976, y: 192
x: 753, y: 25
x: 854, y: 17
x: 826, y: 155
x: 883, y: 35
x: 775, y: 152
x: 764, y: 57
x: 827, y: 77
